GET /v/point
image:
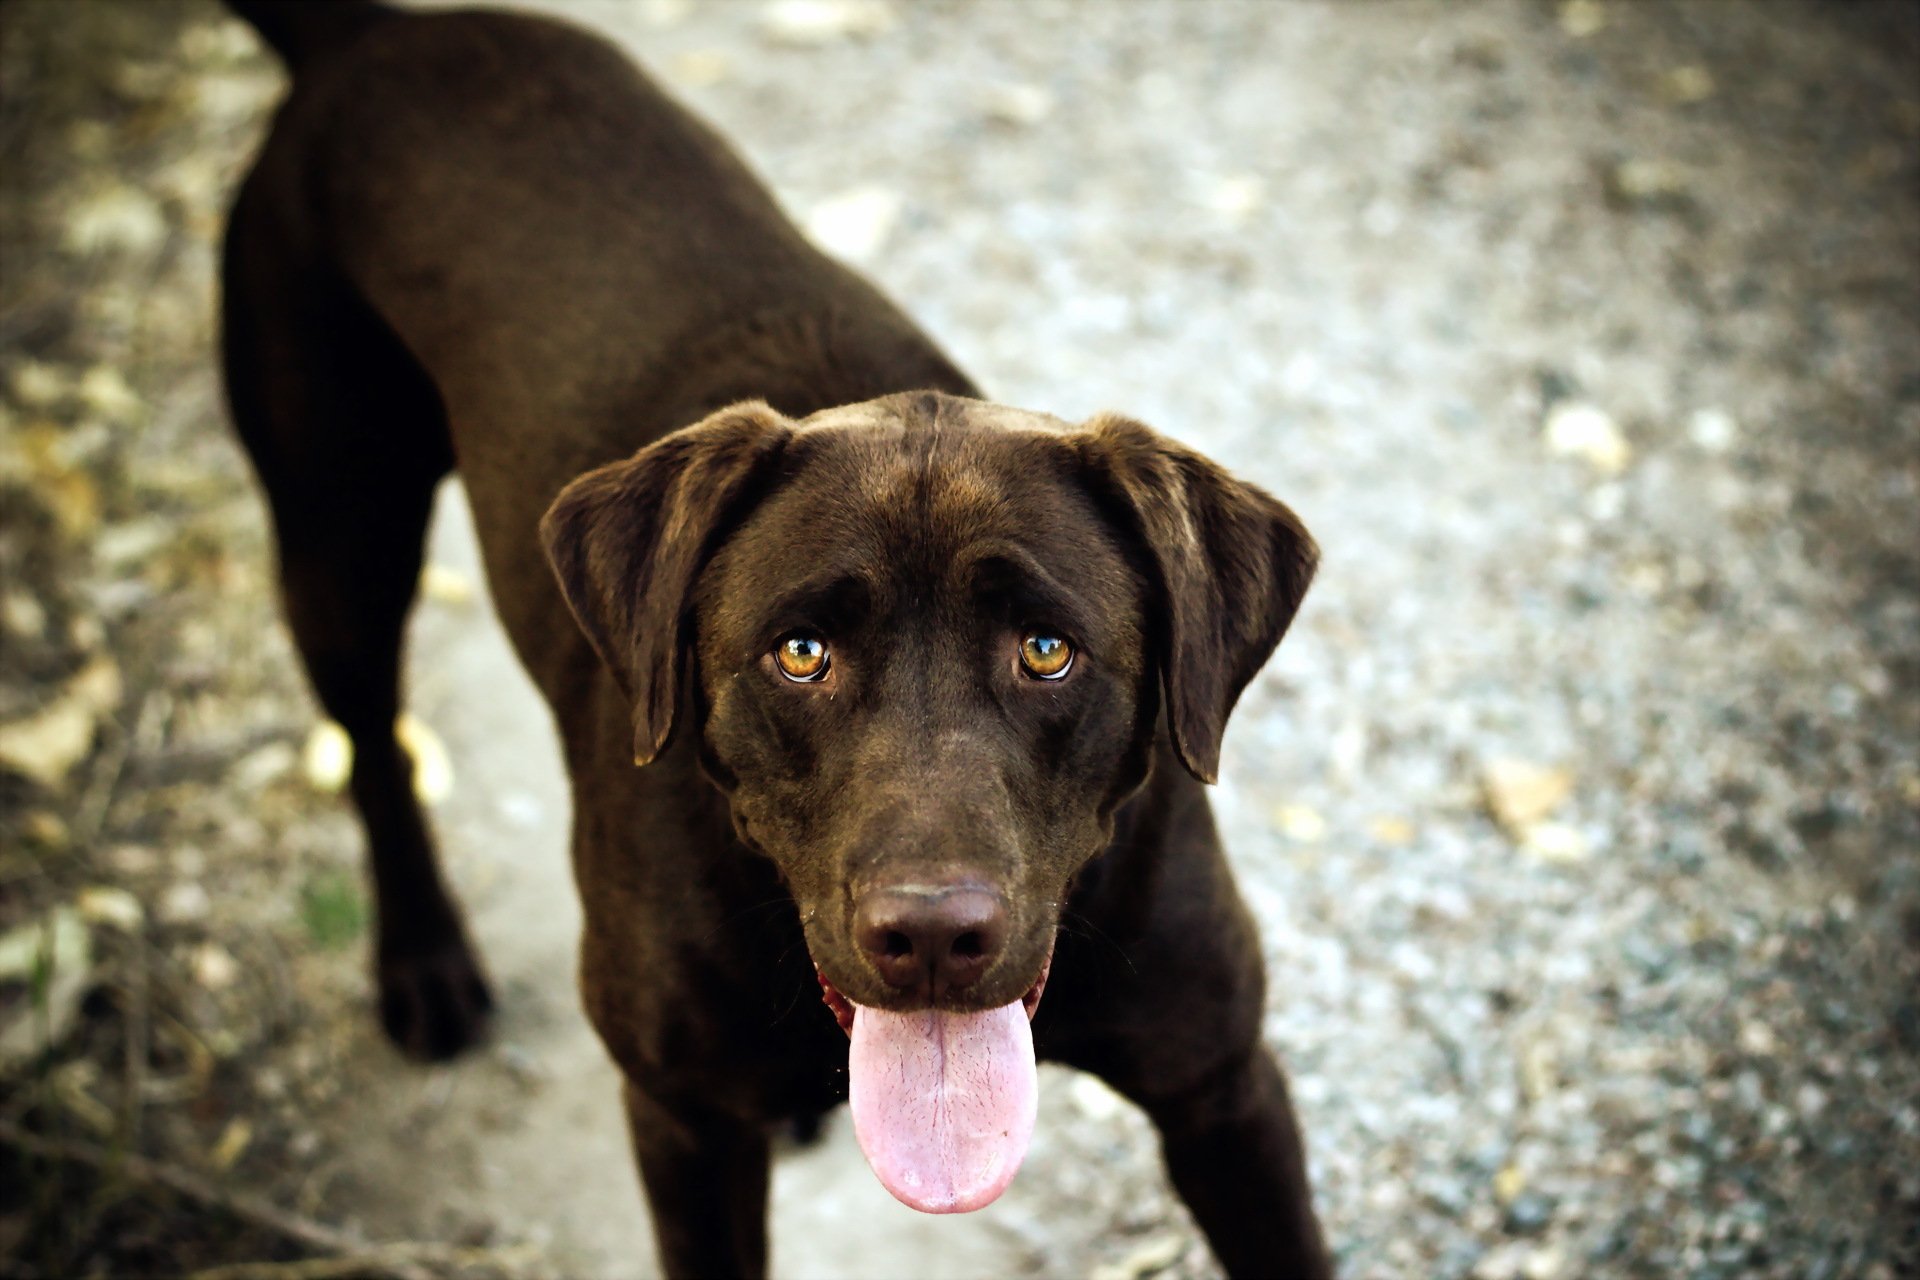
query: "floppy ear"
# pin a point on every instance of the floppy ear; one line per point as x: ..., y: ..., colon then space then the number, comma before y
x: 626, y: 540
x: 1232, y: 564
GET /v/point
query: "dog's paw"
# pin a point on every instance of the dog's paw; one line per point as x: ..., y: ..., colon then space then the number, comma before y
x: 434, y: 1005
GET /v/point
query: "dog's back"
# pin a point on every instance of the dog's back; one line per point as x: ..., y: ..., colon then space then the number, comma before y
x: 506, y: 201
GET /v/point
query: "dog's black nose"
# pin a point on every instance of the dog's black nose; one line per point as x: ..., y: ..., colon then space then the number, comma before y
x: 931, y: 938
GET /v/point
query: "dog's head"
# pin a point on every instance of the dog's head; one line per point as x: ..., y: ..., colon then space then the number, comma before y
x: 924, y: 642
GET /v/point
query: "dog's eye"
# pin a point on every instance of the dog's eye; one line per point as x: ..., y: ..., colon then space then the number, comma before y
x: 801, y: 657
x: 1045, y: 656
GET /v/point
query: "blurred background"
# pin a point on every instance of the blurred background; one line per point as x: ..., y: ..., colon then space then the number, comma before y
x: 1581, y: 808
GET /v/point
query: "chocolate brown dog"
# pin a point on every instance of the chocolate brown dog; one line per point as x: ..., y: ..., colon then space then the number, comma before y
x: 923, y: 689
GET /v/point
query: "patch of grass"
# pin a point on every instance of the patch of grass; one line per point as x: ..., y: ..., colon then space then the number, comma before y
x: 333, y: 908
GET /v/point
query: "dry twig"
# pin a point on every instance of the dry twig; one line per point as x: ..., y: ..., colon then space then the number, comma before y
x: 346, y: 1253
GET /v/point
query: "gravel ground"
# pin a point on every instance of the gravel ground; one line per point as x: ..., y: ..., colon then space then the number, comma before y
x: 1580, y: 808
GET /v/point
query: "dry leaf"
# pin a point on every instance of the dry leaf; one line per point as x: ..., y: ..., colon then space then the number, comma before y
x: 59, y: 945
x: 1520, y: 793
x: 232, y: 1145
x: 46, y: 745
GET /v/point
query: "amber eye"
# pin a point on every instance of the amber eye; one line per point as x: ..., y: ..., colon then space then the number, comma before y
x: 801, y: 657
x: 1045, y: 656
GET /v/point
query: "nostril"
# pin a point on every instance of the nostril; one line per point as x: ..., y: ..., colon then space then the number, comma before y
x: 896, y: 945
x: 970, y: 945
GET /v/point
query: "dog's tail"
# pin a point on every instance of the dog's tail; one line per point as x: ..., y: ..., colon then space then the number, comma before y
x: 300, y: 29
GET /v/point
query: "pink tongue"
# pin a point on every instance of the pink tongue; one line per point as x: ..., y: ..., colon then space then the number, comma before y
x: 943, y: 1103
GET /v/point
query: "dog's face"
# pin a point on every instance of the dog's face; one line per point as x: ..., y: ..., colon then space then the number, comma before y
x: 926, y: 640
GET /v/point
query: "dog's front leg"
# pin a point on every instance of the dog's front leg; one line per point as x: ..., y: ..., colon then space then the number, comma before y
x: 706, y: 1180
x: 1232, y: 1147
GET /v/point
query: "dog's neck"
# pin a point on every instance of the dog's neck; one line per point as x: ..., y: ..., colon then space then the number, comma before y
x: 800, y: 361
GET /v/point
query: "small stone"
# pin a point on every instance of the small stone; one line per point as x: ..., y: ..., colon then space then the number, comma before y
x: 1023, y: 105
x: 665, y: 13
x: 700, y: 68
x: 104, y: 390
x: 327, y: 760
x: 1646, y: 181
x: 854, y: 224
x: 523, y: 809
x: 133, y: 859
x: 45, y: 829
x: 1391, y: 830
x: 1757, y: 1038
x: 1606, y: 502
x: 432, y: 766
x: 108, y: 905
x: 1546, y: 1263
x: 23, y: 616
x: 1236, y: 195
x: 1507, y: 1262
x: 185, y: 903
x: 1555, y: 842
x: 1578, y: 430
x: 214, y: 966
x: 1095, y: 1099
x: 1528, y: 1214
x: 1301, y: 823
x: 1154, y: 1255
x: 1583, y: 18
x: 38, y: 386
x: 811, y: 23
x: 521, y: 1063
x: 1687, y: 84
x: 1713, y: 430
x: 444, y: 584
x: 117, y: 219
x: 264, y: 766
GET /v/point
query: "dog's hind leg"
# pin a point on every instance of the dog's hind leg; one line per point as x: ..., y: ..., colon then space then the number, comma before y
x: 349, y: 439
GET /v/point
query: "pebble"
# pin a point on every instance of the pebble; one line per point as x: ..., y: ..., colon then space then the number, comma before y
x: 855, y: 224
x: 185, y: 903
x: 1713, y: 430
x: 1528, y: 1214
x: 110, y: 905
x: 1578, y: 430
x: 811, y: 23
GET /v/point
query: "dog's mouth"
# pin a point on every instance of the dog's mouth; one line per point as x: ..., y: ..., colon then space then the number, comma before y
x: 943, y: 1101
x: 842, y: 1008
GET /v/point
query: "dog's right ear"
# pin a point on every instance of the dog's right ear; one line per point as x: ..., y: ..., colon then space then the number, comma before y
x: 626, y: 541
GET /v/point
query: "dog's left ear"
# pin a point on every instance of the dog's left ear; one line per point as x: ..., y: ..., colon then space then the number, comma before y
x: 627, y: 540
x: 1232, y: 564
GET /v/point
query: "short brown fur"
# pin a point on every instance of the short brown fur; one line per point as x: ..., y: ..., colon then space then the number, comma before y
x: 685, y: 434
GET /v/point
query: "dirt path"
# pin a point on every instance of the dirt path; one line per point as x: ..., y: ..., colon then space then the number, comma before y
x: 1580, y: 810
